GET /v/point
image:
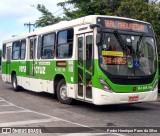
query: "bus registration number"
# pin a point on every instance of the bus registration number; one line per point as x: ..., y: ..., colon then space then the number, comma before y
x: 133, y: 98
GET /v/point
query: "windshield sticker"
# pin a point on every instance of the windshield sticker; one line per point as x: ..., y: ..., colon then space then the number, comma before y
x: 114, y: 61
x: 130, y: 61
x: 136, y: 63
x: 112, y: 53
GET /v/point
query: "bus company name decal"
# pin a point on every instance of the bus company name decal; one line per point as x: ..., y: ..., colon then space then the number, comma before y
x: 37, y: 69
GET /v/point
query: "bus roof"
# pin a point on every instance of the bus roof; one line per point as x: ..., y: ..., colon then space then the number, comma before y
x: 91, y: 19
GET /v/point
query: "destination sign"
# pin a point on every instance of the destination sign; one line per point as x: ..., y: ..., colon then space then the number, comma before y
x: 123, y: 24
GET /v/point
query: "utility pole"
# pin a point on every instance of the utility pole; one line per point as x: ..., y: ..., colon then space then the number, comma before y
x: 29, y: 25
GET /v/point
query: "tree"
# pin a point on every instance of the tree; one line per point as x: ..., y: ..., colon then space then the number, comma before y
x: 139, y: 9
x: 90, y: 7
x: 142, y: 10
x: 145, y: 10
x: 47, y: 17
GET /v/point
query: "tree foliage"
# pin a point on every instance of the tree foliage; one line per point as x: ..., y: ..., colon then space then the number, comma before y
x: 142, y: 10
x: 145, y: 10
x: 90, y: 7
x: 47, y: 17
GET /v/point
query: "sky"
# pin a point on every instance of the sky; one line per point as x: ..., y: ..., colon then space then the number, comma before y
x: 15, y: 13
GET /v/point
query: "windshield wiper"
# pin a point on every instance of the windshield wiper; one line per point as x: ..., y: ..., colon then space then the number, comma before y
x: 121, y: 41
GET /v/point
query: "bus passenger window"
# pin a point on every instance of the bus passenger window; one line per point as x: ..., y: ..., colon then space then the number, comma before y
x: 4, y: 51
x: 89, y: 52
x: 23, y: 49
x: 39, y: 47
x: 16, y: 50
x: 48, y: 46
x: 31, y: 48
x: 65, y: 44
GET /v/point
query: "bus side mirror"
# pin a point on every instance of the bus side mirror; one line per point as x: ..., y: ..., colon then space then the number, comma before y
x: 98, y: 39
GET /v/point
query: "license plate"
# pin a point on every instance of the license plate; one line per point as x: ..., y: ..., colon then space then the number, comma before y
x: 133, y: 98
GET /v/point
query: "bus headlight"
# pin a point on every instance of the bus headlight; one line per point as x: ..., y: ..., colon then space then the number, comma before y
x: 105, y: 86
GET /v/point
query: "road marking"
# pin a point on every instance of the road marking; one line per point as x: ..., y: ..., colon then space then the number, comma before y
x: 48, y: 115
x: 8, y: 103
x: 1, y: 98
x: 52, y: 118
x: 9, y: 112
x: 16, y: 123
x: 66, y: 120
x: 5, y: 105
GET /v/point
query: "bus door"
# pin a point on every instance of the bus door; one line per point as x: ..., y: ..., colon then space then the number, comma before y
x: 32, y: 53
x: 85, y: 63
x: 8, y: 79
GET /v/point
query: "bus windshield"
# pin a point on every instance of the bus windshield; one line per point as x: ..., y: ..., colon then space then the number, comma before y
x: 127, y: 55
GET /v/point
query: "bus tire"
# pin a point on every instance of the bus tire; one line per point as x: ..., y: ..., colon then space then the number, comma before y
x: 62, y: 92
x: 14, y: 83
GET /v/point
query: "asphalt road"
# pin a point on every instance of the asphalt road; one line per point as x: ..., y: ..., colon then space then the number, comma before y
x: 29, y: 109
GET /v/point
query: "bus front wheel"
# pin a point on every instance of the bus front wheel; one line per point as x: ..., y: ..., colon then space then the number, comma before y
x: 62, y: 92
x: 14, y: 83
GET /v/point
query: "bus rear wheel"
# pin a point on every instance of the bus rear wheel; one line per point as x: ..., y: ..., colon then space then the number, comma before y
x: 62, y: 92
x: 14, y: 83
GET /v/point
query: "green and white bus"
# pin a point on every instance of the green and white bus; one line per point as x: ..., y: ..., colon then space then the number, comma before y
x: 97, y: 59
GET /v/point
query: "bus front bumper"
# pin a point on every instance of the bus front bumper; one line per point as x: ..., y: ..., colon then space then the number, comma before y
x: 101, y: 97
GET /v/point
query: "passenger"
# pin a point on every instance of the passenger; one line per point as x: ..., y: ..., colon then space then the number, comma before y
x: 144, y: 64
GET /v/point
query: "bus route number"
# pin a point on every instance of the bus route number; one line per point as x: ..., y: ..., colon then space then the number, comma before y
x: 114, y: 60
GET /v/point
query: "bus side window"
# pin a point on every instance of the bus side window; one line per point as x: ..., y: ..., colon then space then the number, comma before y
x: 32, y: 48
x: 39, y: 47
x: 16, y: 50
x: 23, y: 50
x: 89, y: 52
x: 48, y: 46
x: 4, y: 51
x: 65, y: 44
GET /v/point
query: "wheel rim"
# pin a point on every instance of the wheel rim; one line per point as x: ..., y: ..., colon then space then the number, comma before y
x: 63, y: 92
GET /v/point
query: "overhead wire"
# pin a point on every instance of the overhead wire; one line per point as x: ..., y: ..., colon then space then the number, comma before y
x: 70, y: 8
x: 57, y: 11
